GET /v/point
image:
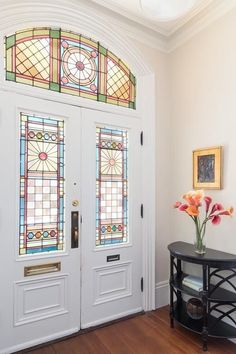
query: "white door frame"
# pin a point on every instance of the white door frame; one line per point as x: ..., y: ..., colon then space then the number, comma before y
x: 57, y: 13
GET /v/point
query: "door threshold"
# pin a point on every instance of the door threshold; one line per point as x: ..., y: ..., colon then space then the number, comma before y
x: 80, y: 332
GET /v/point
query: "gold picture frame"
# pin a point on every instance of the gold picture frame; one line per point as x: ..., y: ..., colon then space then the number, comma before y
x: 207, y: 168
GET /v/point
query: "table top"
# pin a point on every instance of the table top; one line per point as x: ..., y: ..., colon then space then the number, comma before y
x: 186, y: 252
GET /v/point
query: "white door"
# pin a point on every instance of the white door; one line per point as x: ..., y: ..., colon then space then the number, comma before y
x: 58, y: 169
x: 111, y: 228
x: 42, y: 302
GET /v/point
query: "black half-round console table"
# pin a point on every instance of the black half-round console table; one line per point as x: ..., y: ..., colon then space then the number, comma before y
x: 218, y: 295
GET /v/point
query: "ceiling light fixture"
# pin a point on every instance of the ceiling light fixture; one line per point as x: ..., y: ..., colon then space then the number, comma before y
x: 166, y: 10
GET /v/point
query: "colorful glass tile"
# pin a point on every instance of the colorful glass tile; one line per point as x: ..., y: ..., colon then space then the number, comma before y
x: 111, y: 186
x: 41, y: 184
x: 68, y: 62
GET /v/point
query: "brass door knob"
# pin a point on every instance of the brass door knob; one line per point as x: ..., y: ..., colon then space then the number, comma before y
x: 75, y: 203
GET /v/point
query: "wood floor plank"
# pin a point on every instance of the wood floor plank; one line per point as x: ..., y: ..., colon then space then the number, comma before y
x: 145, y: 334
x: 45, y: 350
x: 111, y: 336
x: 83, y: 344
x: 216, y: 346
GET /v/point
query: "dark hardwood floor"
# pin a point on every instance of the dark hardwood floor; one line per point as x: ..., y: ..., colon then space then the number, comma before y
x: 145, y: 334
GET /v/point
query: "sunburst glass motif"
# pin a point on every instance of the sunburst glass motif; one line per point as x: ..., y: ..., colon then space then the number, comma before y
x: 42, y: 156
x: 111, y: 162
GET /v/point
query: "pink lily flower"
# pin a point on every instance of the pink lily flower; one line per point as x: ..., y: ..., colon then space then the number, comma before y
x: 208, y: 201
x: 177, y: 205
x: 216, y: 207
x: 216, y: 220
x: 183, y: 207
x: 227, y: 212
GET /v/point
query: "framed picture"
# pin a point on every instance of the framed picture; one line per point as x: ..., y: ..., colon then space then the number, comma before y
x: 207, y: 168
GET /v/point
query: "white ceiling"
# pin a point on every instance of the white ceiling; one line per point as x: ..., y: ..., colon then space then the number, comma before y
x: 142, y: 12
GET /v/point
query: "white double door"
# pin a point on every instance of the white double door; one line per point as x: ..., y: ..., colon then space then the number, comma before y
x: 46, y: 295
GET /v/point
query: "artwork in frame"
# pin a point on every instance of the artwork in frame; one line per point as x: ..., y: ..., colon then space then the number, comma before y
x: 207, y: 168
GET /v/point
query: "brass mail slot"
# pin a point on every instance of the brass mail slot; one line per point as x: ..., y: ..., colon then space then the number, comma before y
x: 42, y: 269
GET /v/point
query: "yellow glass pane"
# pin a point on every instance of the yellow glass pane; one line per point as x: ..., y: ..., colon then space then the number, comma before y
x: 117, y: 81
x: 70, y: 35
x: 24, y: 81
x: 44, y: 85
x: 9, y: 64
x: 32, y: 58
x: 24, y: 34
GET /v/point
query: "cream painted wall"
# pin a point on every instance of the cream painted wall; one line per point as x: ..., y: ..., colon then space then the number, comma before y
x: 203, y: 114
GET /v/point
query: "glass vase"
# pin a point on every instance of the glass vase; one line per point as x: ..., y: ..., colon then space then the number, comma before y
x: 199, y: 242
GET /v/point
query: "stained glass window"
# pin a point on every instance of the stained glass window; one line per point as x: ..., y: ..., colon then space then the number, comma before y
x: 70, y: 63
x: 111, y: 186
x: 41, y: 184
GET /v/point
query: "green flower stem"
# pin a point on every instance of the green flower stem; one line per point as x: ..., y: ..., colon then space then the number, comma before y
x: 200, y: 233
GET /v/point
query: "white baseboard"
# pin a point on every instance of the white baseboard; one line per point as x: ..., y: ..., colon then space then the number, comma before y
x: 162, y: 293
x: 32, y: 343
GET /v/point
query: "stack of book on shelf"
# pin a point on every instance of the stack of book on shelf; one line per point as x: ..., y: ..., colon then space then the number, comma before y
x: 193, y: 282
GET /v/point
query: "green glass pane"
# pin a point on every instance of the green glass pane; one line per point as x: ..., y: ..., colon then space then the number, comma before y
x: 54, y: 86
x: 55, y: 33
x: 10, y: 76
x: 10, y: 41
x: 102, y: 98
x: 102, y: 50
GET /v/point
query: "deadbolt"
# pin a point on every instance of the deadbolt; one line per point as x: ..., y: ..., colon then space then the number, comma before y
x: 75, y: 203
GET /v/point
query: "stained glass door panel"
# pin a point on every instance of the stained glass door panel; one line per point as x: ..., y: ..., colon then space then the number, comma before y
x: 111, y: 186
x: 41, y: 184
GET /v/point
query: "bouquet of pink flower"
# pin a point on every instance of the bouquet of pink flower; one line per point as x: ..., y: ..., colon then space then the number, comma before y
x: 193, y: 201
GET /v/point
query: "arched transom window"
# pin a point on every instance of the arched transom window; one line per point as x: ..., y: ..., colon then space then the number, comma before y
x: 67, y: 62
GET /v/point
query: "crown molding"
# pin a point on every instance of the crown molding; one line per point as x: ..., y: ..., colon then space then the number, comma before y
x: 215, y: 10
x: 129, y: 26
x: 167, y: 41
x: 164, y: 40
x: 144, y: 22
x: 187, y: 17
x: 107, y: 26
x: 165, y: 28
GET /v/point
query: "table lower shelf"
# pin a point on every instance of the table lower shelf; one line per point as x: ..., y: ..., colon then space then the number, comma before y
x: 215, y: 329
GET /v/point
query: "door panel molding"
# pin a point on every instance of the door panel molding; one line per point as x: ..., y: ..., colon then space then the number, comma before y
x: 35, y: 300
x: 118, y: 287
